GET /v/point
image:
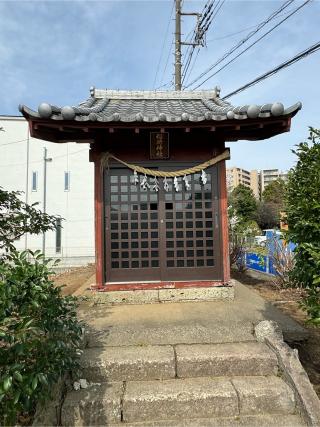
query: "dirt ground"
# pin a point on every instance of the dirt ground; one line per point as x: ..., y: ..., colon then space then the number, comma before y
x: 74, y: 278
x: 286, y: 300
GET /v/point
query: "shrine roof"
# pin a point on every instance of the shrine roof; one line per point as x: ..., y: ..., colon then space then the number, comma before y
x: 156, y: 106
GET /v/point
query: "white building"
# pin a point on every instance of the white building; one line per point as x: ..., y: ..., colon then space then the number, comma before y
x: 69, y: 189
x: 269, y: 175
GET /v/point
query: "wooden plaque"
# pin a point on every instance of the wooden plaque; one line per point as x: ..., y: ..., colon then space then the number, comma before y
x: 159, y: 145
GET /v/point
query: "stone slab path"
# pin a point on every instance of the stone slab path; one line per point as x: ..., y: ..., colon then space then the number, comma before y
x: 182, y: 364
x: 186, y: 322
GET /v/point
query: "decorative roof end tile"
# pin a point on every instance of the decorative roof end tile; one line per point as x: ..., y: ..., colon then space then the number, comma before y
x: 45, y: 110
x: 277, y: 109
x: 68, y: 113
x: 253, y: 111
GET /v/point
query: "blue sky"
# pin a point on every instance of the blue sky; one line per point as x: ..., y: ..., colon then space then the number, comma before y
x: 54, y: 51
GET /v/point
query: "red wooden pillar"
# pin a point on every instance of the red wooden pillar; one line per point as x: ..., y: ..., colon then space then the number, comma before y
x: 224, y: 223
x: 99, y: 223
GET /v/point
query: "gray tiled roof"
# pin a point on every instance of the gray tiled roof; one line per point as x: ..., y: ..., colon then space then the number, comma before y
x: 152, y: 106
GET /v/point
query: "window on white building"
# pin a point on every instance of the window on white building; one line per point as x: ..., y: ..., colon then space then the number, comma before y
x: 66, y: 181
x: 58, y: 236
x: 34, y: 181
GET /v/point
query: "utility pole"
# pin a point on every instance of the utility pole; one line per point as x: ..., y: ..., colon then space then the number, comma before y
x: 45, y: 161
x: 178, y: 47
x: 27, y: 184
x: 198, y: 38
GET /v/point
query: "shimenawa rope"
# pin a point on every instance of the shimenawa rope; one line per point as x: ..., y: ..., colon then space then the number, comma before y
x: 168, y: 174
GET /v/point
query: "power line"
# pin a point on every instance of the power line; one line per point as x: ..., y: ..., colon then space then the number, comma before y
x: 165, y: 68
x: 206, y: 10
x: 206, y: 18
x: 312, y: 49
x: 227, y: 36
x: 70, y: 154
x: 40, y: 161
x: 192, y: 66
x: 189, y: 52
x: 187, y: 64
x: 214, y: 13
x: 13, y: 142
x: 253, y: 44
x: 199, y: 35
x: 163, y: 44
x: 244, y: 40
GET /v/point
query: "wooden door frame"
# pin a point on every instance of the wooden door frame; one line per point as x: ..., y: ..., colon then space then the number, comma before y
x: 224, y: 231
x: 99, y: 220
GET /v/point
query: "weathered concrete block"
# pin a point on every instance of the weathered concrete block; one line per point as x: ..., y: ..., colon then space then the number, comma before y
x: 127, y: 297
x: 237, y: 421
x: 48, y: 414
x: 196, y: 294
x: 128, y: 363
x: 174, y: 399
x: 308, y: 402
x: 268, y: 328
x: 245, y: 421
x: 231, y: 359
x: 264, y: 395
x: 97, y: 405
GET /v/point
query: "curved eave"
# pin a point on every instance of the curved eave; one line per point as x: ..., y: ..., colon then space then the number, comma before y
x: 229, y: 130
x: 238, y: 114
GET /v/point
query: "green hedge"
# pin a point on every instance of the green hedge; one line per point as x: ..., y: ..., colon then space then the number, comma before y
x: 303, y: 216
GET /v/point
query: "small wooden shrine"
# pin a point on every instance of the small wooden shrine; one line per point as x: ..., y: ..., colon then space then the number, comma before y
x: 160, y: 179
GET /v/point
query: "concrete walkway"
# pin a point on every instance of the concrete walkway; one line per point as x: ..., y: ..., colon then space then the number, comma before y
x: 186, y: 322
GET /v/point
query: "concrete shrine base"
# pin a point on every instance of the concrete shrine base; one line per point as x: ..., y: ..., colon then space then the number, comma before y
x: 149, y: 296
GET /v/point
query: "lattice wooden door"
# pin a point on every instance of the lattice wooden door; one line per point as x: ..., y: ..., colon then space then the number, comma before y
x: 167, y: 236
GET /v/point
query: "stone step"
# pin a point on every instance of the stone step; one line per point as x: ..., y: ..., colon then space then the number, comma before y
x: 160, y: 332
x: 128, y: 363
x: 99, y: 404
x: 184, y: 361
x: 231, y: 359
x: 238, y: 421
x: 206, y: 398
x: 144, y: 401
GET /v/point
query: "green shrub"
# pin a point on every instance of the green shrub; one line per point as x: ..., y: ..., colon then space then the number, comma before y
x: 18, y: 218
x: 303, y: 217
x: 40, y: 335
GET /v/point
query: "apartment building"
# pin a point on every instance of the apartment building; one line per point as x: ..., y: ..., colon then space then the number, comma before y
x: 236, y: 176
x: 269, y: 175
x: 255, y: 183
x: 254, y: 179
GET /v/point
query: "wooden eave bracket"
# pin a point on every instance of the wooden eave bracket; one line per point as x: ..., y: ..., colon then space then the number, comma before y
x: 54, y: 130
